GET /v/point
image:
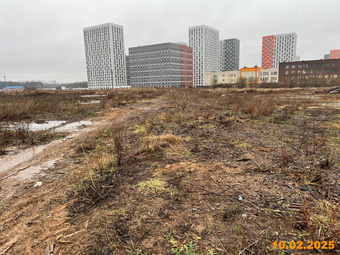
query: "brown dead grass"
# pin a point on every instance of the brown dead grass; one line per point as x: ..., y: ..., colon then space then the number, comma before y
x: 233, y: 185
x: 153, y: 143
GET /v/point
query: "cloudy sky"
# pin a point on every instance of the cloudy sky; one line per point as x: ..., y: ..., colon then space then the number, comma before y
x: 43, y: 39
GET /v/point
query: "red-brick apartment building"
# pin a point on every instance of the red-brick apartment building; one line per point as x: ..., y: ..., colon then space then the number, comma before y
x: 310, y: 72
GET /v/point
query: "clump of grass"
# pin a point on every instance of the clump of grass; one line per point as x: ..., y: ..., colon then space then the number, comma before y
x: 254, y: 105
x: 151, y: 186
x: 323, y: 219
x: 154, y: 143
x: 139, y: 130
x: 92, y: 182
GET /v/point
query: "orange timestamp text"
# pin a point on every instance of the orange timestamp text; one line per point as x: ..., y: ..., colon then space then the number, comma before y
x: 299, y: 245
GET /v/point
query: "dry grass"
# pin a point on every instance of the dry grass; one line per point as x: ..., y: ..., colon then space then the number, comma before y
x: 323, y: 220
x: 67, y: 105
x: 153, y: 143
x: 153, y: 185
x: 56, y: 105
x: 23, y: 137
x: 207, y: 191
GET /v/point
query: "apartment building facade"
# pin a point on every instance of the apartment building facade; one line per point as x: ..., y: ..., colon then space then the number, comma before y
x: 204, y: 41
x: 105, y: 58
x: 269, y: 75
x: 229, y: 59
x: 223, y: 77
x: 312, y: 71
x: 278, y: 48
x: 128, y: 73
x: 161, y: 65
x: 334, y: 54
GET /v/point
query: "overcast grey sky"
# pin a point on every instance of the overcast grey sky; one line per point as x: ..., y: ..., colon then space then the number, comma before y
x: 43, y: 39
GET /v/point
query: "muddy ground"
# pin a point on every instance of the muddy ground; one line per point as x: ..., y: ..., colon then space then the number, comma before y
x: 190, y: 172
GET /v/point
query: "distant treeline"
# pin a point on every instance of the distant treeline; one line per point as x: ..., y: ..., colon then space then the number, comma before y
x: 82, y: 84
x: 38, y: 84
x: 28, y: 84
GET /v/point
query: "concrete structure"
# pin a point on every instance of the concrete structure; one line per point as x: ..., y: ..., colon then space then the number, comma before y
x: 225, y: 77
x: 312, y: 71
x: 128, y: 73
x: 326, y: 56
x: 269, y: 75
x: 251, y: 74
x: 161, y: 65
x: 334, y: 54
x: 14, y: 89
x: 278, y: 48
x: 229, y: 55
x: 105, y: 58
x: 205, y: 43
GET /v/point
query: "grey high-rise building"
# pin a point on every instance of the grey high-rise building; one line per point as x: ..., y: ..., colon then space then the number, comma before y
x: 205, y: 43
x: 229, y: 55
x: 128, y: 74
x: 161, y: 65
x: 105, y: 58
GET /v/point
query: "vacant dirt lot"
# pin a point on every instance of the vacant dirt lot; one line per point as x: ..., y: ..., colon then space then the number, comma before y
x: 181, y: 171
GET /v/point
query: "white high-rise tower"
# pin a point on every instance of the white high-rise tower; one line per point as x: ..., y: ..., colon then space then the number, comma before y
x: 105, y: 58
x: 277, y: 49
x: 205, y: 43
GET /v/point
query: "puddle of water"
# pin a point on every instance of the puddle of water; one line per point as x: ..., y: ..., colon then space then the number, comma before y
x: 31, y: 171
x: 59, y: 124
x: 93, y: 96
x: 10, y: 161
x: 72, y: 126
x: 91, y: 102
x: 32, y: 126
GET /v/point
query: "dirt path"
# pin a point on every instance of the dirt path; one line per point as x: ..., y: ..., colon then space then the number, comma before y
x: 25, y: 224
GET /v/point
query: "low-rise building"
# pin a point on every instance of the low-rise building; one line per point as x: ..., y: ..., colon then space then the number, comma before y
x: 310, y: 71
x: 251, y: 74
x: 269, y: 75
x: 226, y: 77
x: 14, y: 89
